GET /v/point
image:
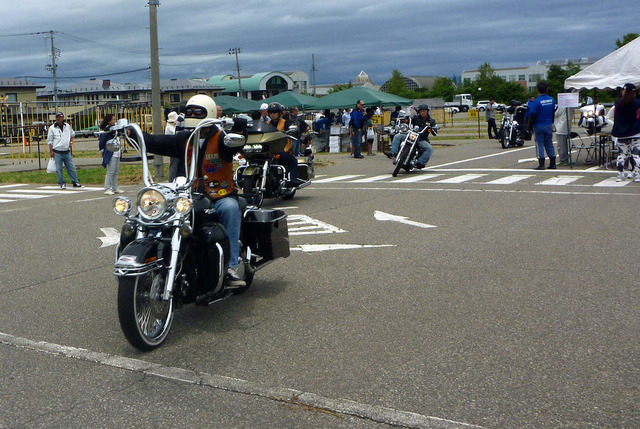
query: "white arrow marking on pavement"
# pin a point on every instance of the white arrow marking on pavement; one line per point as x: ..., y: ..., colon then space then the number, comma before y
x: 111, y: 237
x: 402, y: 219
x: 323, y: 247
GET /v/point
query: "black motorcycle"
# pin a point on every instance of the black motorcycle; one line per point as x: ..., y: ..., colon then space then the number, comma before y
x: 513, y: 131
x: 263, y: 176
x: 164, y: 256
x: 410, y: 151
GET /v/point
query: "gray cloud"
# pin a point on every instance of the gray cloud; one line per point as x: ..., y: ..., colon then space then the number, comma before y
x: 427, y: 37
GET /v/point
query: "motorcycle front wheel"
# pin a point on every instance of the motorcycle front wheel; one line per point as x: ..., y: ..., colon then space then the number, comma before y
x: 249, y: 188
x: 401, y: 158
x: 145, y: 318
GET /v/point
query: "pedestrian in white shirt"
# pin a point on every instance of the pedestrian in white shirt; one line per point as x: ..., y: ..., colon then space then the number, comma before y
x: 60, y: 141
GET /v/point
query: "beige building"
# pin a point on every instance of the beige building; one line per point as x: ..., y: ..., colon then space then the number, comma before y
x: 17, y: 90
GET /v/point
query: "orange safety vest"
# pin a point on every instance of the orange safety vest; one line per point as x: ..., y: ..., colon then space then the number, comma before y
x: 219, y: 174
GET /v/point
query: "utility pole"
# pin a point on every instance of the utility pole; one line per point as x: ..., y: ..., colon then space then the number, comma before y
x: 53, y: 67
x: 236, y: 51
x: 313, y: 73
x: 156, y: 104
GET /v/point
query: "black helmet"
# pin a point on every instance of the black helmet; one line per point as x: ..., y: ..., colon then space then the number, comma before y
x: 274, y: 108
x: 423, y: 107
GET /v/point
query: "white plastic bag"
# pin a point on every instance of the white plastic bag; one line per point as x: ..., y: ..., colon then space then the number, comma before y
x: 51, y: 166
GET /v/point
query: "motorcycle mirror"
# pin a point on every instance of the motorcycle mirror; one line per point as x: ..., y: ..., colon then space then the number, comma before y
x: 234, y: 140
x: 119, y: 125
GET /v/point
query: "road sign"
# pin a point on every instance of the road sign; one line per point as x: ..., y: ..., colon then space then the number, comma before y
x: 473, y: 113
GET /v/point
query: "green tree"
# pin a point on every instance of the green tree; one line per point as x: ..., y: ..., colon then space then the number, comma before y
x: 396, y: 85
x: 443, y: 87
x: 626, y: 39
x: 557, y: 75
x: 340, y: 87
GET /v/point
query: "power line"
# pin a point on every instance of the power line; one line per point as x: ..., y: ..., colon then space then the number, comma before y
x: 90, y: 76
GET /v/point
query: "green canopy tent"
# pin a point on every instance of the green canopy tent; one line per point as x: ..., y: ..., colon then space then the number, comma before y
x: 348, y: 97
x: 232, y: 105
x: 289, y: 99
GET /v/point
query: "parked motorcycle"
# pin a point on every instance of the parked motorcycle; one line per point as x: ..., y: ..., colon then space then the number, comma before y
x: 592, y: 118
x: 409, y: 150
x: 263, y: 176
x: 513, y: 130
x: 163, y: 257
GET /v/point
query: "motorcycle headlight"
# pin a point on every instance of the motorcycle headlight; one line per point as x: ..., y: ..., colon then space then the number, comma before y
x: 122, y: 206
x: 403, y: 128
x: 152, y: 204
x: 183, y: 205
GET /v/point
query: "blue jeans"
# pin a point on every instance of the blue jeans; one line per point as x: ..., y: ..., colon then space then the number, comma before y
x: 231, y: 218
x: 428, y: 149
x: 295, y: 147
x: 544, y: 140
x: 59, y: 158
x: 356, y: 142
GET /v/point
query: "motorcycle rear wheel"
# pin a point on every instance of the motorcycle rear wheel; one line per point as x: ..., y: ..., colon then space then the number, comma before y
x: 145, y: 318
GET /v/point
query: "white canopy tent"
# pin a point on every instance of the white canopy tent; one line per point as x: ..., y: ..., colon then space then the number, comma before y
x: 613, y: 71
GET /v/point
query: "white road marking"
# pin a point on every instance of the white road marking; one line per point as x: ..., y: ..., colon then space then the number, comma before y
x: 5, y: 201
x: 338, y: 178
x: 611, y: 182
x: 434, y: 167
x: 71, y: 188
x: 460, y: 179
x: 39, y: 191
x: 371, y: 179
x: 13, y: 185
x: 27, y: 196
x: 495, y: 191
x: 111, y: 237
x: 313, y: 226
x: 560, y: 181
x: 419, y: 178
x: 510, y: 179
x: 324, y: 247
x: 199, y: 379
x: 384, y: 217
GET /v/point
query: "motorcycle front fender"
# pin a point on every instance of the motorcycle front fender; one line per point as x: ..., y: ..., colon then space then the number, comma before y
x: 139, y: 257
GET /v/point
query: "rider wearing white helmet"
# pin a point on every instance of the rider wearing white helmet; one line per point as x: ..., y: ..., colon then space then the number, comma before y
x: 214, y: 170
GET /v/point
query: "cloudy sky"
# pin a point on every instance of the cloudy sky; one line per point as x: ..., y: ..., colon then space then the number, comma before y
x: 417, y: 37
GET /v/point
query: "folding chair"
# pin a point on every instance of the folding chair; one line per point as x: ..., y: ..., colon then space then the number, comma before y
x: 578, y: 144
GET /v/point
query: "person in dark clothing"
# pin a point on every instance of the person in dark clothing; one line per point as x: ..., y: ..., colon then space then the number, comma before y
x: 490, y: 116
x: 626, y: 130
x: 289, y: 161
x: 357, y: 126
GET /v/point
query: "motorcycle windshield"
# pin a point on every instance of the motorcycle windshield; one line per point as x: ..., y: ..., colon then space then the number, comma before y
x: 261, y: 127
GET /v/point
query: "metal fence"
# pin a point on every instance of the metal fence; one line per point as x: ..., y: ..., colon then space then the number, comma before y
x: 24, y: 125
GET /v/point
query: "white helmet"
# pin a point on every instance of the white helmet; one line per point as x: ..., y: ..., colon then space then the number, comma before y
x: 199, y: 107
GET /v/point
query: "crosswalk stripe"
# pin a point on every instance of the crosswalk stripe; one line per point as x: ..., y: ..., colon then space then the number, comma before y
x: 5, y: 201
x: 338, y: 178
x: 560, y: 181
x: 417, y: 178
x: 509, y: 179
x: 611, y: 182
x: 370, y: 179
x: 39, y: 191
x: 27, y: 196
x: 460, y: 179
x: 13, y: 185
x: 71, y: 188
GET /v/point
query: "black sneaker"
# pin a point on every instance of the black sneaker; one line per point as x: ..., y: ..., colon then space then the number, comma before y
x: 390, y: 155
x: 358, y: 156
x: 77, y: 185
x: 420, y: 166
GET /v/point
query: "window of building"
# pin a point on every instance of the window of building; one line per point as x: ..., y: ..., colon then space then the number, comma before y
x: 135, y: 96
x: 174, y: 98
x: 512, y: 77
x: 535, y: 77
x: 521, y: 77
x: 12, y: 97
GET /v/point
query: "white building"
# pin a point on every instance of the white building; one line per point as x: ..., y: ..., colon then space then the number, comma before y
x: 529, y: 76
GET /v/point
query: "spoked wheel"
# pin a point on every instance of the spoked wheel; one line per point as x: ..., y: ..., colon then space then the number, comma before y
x: 408, y: 166
x: 504, y: 140
x: 402, y: 156
x: 145, y: 318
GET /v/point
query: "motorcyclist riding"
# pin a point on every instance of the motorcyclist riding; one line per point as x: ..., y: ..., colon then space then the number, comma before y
x: 420, y: 121
x: 286, y: 158
x: 214, y: 171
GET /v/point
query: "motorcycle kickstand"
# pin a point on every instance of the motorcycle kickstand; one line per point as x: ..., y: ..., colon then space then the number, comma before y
x: 222, y: 298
